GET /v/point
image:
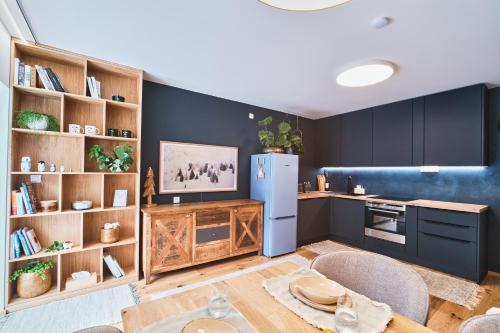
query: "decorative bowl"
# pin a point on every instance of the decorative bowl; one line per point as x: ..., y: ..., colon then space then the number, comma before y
x: 320, y: 290
x: 48, y: 205
x: 207, y: 325
x: 40, y: 124
x: 81, y: 205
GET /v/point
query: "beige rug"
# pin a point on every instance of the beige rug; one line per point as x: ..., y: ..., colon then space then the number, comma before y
x: 447, y: 287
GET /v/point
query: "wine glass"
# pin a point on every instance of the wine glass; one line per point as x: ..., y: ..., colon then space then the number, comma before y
x: 346, y: 315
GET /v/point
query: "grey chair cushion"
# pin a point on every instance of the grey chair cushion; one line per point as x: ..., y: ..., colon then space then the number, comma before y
x: 100, y: 329
x: 380, y: 278
x: 481, y: 324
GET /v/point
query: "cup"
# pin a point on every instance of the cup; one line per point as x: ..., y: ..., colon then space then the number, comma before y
x: 91, y: 130
x: 112, y: 132
x: 75, y: 129
x: 218, y: 304
x: 126, y: 133
x: 346, y: 315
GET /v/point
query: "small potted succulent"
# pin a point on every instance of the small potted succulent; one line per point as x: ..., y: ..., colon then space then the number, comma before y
x: 119, y: 161
x: 34, y: 279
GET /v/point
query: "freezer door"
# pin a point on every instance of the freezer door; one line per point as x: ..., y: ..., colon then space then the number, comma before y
x: 285, y: 177
x: 282, y: 237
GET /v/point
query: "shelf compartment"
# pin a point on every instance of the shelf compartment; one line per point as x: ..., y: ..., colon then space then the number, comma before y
x: 48, y: 189
x: 70, y: 69
x: 93, y: 222
x: 57, y: 149
x: 83, y: 111
x: 121, y: 117
x: 116, y: 80
x: 29, y: 99
x: 125, y: 255
x: 108, y: 146
x: 119, y: 182
x: 81, y: 187
x: 80, y: 261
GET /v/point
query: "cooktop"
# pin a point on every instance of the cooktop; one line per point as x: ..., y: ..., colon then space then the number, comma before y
x: 388, y: 197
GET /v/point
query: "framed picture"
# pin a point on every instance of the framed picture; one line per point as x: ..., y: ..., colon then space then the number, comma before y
x: 120, y: 198
x: 189, y: 167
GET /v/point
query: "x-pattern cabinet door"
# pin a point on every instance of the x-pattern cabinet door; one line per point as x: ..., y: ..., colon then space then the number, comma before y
x: 246, y: 229
x: 172, y: 239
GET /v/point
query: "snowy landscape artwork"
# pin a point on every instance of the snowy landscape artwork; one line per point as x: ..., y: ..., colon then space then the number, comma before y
x: 189, y: 167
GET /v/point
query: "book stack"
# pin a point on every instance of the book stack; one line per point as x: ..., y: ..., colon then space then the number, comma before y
x: 94, y: 87
x: 25, y: 200
x: 49, y: 79
x: 24, y: 75
x: 113, y: 265
x: 24, y: 240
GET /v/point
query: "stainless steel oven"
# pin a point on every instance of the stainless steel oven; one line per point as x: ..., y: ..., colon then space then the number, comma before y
x: 385, y: 221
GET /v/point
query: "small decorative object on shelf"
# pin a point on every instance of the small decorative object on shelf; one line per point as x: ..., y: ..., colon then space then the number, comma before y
x: 56, y: 246
x: 41, y: 166
x: 48, y: 205
x: 62, y: 168
x: 120, y: 198
x: 118, y: 98
x: 113, y: 132
x: 81, y: 204
x: 126, y: 133
x: 75, y: 129
x: 120, y: 161
x: 92, y: 130
x: 68, y: 245
x: 34, y: 279
x: 25, y: 164
x: 80, y: 280
x: 53, y: 167
x: 110, y: 233
x: 149, y: 188
x: 36, y: 121
x: 283, y: 141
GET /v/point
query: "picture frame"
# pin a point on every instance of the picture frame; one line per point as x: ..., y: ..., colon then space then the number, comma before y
x: 120, y: 198
x: 192, y: 167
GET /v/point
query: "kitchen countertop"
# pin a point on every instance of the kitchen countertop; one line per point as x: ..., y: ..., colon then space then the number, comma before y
x: 456, y: 206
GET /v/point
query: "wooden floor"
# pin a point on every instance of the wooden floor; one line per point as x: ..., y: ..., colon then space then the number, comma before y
x: 443, y: 317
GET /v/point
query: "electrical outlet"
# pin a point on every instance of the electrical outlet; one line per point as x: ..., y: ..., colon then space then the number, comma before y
x: 250, y: 115
x: 177, y: 200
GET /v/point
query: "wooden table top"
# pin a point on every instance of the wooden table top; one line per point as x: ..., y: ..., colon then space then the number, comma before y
x: 249, y: 297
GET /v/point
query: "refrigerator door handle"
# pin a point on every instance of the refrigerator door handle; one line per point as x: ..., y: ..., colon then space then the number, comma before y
x: 283, y: 217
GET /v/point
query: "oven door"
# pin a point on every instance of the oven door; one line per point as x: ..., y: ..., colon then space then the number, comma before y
x: 385, y: 224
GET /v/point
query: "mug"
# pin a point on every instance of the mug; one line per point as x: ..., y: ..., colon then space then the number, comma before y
x: 75, y: 129
x: 112, y: 132
x: 92, y: 130
x: 126, y: 133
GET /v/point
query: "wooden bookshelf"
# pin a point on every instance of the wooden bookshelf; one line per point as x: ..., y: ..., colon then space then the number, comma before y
x: 81, y: 179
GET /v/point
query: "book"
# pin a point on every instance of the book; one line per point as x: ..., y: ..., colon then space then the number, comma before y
x: 13, y: 203
x: 35, y: 243
x: 25, y: 235
x: 53, y: 80
x: 12, y: 246
x: 43, y: 77
x: 92, y: 89
x: 98, y: 85
x: 21, y: 74
x: 108, y: 259
x: 33, y: 77
x: 119, y: 267
x: 17, y: 245
x: 35, y: 202
x: 20, y: 203
x: 27, y: 75
x: 24, y: 245
x: 17, y: 62
x: 26, y: 199
x: 59, y: 80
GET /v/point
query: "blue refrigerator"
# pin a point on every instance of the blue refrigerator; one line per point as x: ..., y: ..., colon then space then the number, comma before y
x: 274, y: 179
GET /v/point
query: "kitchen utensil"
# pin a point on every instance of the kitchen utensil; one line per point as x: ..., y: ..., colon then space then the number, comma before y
x: 92, y: 130
x: 75, y: 129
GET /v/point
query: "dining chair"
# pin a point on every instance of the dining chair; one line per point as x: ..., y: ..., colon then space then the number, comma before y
x: 379, y: 278
x: 100, y: 329
x: 481, y: 324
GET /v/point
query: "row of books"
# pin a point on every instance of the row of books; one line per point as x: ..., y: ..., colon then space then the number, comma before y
x: 26, y: 75
x: 94, y: 87
x: 25, y: 200
x: 113, y: 265
x: 24, y: 241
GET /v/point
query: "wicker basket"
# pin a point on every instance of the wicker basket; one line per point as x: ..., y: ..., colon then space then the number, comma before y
x: 32, y: 285
x: 109, y: 236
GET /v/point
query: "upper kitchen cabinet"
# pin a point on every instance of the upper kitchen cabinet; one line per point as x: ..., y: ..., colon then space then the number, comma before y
x: 356, y: 138
x: 327, y: 147
x: 392, y: 134
x: 455, y: 127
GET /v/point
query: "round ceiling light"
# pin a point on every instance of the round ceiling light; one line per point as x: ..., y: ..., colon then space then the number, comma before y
x: 303, y: 5
x: 366, y: 74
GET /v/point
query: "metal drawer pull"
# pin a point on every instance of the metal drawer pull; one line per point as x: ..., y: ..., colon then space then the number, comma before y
x: 448, y: 238
x: 448, y: 224
x: 384, y: 211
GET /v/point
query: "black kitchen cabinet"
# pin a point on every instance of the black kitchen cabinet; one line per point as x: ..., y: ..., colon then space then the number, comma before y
x: 455, y: 127
x: 356, y: 138
x: 313, y: 218
x: 392, y: 134
x: 327, y: 142
x: 347, y: 220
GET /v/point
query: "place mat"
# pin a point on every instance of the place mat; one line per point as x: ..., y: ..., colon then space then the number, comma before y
x: 373, y: 316
x: 177, y: 323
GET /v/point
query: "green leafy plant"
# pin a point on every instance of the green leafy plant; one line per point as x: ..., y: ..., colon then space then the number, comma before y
x: 56, y: 246
x: 26, y: 119
x: 284, y: 138
x: 266, y: 137
x: 119, y: 161
x: 38, y: 267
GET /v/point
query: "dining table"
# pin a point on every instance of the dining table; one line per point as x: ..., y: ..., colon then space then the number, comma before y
x: 246, y: 293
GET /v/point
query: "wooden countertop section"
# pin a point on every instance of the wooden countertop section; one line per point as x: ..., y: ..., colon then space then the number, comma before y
x: 183, y: 207
x: 455, y: 206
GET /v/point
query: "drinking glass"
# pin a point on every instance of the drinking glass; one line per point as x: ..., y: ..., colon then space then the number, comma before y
x: 346, y: 315
x: 218, y: 305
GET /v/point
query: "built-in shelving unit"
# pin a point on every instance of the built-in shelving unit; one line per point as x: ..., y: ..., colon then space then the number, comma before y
x: 81, y: 179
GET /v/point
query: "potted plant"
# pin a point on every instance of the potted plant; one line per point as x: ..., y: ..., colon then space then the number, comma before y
x: 283, y: 141
x: 34, y: 279
x: 119, y: 161
x: 36, y: 121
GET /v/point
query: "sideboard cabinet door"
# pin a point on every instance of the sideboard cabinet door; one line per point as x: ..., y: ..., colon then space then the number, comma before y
x: 172, y: 239
x: 246, y: 229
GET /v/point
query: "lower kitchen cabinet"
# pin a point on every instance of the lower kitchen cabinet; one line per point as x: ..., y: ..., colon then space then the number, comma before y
x: 313, y: 216
x: 347, y: 221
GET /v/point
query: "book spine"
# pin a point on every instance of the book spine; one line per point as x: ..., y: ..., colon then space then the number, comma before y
x: 17, y: 245
x: 35, y: 243
x: 21, y: 74
x: 40, y: 72
x: 35, y: 203
x: 12, y: 245
x: 49, y: 83
x: 13, y: 203
x: 112, y: 268
x: 122, y: 273
x: 59, y: 81
x: 17, y: 62
x: 53, y: 79
x: 20, y: 204
x: 98, y: 85
x: 27, y: 75
x: 23, y: 243
x: 25, y: 235
x: 33, y: 77
x: 26, y: 199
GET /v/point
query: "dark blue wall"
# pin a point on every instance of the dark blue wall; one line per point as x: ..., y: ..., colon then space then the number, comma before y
x: 173, y: 114
x: 480, y: 186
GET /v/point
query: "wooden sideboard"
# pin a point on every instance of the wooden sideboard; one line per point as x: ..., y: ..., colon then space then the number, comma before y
x: 177, y: 236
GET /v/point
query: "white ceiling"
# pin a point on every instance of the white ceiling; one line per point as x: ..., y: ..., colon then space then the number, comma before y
x: 246, y: 51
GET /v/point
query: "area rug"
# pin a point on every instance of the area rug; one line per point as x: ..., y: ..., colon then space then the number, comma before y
x: 72, y: 314
x: 449, y: 288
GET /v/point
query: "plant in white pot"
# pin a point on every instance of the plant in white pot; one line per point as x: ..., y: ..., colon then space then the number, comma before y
x: 34, y: 279
x: 36, y: 121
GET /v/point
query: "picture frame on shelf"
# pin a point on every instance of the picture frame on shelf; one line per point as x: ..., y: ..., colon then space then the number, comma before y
x: 120, y: 198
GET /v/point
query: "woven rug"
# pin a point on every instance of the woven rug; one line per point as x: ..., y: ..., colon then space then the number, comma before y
x: 447, y: 287
x: 72, y: 314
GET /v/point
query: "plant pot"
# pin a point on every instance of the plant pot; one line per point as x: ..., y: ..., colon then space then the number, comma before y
x: 277, y: 150
x: 41, y: 124
x: 32, y: 285
x: 109, y: 236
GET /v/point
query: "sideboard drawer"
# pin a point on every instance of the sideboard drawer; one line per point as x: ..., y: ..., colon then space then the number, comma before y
x: 206, y: 217
x: 447, y: 216
x: 212, y: 234
x: 211, y: 251
x: 448, y: 230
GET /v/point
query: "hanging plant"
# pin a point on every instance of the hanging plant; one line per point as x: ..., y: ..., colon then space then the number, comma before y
x: 119, y: 161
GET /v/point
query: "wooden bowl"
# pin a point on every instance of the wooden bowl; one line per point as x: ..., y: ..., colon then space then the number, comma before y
x: 31, y: 285
x: 208, y: 325
x: 109, y: 236
x: 320, y: 290
x: 48, y: 205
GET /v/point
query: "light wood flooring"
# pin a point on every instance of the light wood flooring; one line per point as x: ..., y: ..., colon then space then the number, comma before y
x: 443, y: 317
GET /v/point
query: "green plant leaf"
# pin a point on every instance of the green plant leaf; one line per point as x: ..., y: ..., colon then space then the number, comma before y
x: 38, y: 267
x: 284, y: 127
x: 25, y: 117
x: 266, y: 137
x: 266, y: 121
x: 121, y: 159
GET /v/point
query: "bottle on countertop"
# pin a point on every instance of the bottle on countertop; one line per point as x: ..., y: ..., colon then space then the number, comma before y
x: 327, y: 182
x: 350, y: 189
